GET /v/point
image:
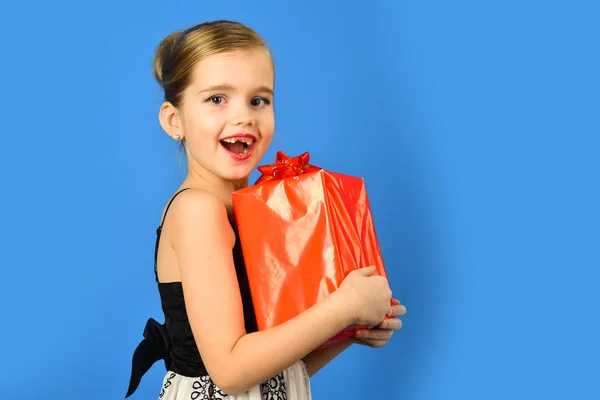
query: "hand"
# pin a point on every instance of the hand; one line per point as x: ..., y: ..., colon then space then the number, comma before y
x: 366, y: 295
x: 380, y: 335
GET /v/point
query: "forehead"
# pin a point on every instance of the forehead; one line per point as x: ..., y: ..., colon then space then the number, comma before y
x: 240, y: 68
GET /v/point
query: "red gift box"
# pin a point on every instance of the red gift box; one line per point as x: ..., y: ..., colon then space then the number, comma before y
x: 302, y: 230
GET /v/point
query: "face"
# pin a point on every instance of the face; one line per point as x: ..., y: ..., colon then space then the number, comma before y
x: 227, y: 114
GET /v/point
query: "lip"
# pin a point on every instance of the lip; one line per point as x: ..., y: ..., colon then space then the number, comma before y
x: 240, y: 135
x: 240, y: 157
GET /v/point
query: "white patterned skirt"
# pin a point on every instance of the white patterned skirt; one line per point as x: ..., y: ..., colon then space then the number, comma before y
x: 291, y: 384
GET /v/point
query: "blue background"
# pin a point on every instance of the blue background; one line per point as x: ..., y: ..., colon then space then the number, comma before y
x: 475, y: 125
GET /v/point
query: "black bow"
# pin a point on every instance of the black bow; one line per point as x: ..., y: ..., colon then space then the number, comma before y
x: 155, y: 346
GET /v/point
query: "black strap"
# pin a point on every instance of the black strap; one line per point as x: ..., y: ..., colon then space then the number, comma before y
x: 159, y: 230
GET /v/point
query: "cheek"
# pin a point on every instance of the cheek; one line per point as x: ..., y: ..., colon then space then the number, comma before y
x: 266, y: 136
x: 203, y: 128
x: 268, y: 126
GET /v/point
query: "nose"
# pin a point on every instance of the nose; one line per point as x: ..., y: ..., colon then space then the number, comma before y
x: 243, y: 115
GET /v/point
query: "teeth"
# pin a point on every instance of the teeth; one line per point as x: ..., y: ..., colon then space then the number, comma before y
x: 247, y: 141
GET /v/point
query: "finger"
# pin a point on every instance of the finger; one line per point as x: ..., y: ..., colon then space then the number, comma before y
x: 367, y: 271
x: 395, y: 302
x: 393, y: 324
x: 373, y: 342
x: 375, y: 334
x: 397, y: 311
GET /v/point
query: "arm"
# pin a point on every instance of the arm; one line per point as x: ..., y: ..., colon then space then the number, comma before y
x: 235, y: 360
x: 317, y: 359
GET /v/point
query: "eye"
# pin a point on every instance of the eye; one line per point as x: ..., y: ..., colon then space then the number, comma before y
x: 216, y: 99
x: 260, y: 101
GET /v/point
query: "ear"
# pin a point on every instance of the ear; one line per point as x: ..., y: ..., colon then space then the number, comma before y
x: 170, y: 120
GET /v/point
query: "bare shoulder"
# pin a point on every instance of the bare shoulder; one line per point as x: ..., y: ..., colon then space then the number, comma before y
x: 200, y: 215
x: 197, y: 206
x: 198, y: 200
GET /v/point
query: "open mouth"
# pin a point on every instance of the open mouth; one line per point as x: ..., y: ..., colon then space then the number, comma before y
x: 238, y: 145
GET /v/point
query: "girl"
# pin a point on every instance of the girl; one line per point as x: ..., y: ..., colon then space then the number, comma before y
x: 218, y: 80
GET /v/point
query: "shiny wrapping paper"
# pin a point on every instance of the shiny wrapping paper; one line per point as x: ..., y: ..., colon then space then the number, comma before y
x: 302, y: 230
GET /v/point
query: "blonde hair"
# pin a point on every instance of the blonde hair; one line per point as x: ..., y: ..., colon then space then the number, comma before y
x: 178, y: 53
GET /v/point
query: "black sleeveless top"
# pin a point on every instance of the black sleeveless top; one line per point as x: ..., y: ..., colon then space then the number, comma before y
x: 173, y: 341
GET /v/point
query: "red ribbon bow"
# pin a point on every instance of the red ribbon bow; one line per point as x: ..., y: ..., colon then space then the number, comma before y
x: 285, y: 167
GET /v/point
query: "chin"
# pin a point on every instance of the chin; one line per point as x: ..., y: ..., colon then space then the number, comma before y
x: 237, y: 168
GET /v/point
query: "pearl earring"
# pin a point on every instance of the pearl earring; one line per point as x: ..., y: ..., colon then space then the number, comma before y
x: 176, y: 137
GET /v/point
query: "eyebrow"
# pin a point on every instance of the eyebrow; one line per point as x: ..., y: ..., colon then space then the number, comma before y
x: 227, y: 86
